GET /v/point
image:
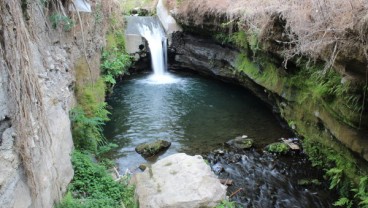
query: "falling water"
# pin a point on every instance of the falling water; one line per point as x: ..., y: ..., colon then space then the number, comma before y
x: 156, y: 38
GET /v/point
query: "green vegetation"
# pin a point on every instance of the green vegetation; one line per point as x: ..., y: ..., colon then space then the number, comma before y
x: 59, y: 20
x: 93, y: 187
x: 312, y: 85
x: 341, y: 169
x: 115, y: 61
x: 89, y: 116
x: 227, y: 204
x: 129, y: 5
x: 278, y: 148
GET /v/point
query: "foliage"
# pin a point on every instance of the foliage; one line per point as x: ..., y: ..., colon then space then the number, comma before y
x: 93, y: 187
x: 344, y: 202
x: 98, y: 14
x: 65, y: 22
x: 239, y: 39
x: 128, y: 5
x: 89, y: 116
x: 227, y: 204
x: 342, y: 172
x: 260, y: 70
x: 278, y: 148
x: 115, y: 63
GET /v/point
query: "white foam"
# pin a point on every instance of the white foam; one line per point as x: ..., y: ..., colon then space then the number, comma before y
x: 161, y: 79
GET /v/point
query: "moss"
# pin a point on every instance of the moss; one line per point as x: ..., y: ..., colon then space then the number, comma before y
x: 115, y: 40
x: 278, y: 148
x: 263, y: 72
x: 151, y: 149
x: 343, y: 169
x: 89, y: 115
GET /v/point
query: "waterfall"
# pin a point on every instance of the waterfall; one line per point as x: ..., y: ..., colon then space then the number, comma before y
x: 157, y: 42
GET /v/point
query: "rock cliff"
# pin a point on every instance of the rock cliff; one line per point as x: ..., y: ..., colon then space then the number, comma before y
x: 38, y: 56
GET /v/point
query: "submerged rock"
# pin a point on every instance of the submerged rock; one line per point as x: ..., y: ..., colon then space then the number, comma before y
x: 179, y: 181
x: 309, y: 182
x: 242, y: 142
x: 278, y: 148
x: 151, y: 149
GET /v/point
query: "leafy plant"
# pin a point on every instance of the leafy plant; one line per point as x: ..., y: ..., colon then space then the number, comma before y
x: 226, y: 204
x: 89, y: 116
x: 278, y: 148
x: 58, y: 19
x: 115, y: 63
x: 93, y: 187
x: 344, y: 202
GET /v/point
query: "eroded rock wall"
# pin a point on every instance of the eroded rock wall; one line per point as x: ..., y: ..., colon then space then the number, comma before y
x: 37, y: 79
x: 309, y: 118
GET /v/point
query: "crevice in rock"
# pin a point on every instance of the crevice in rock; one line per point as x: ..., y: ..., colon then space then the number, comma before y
x: 4, y: 124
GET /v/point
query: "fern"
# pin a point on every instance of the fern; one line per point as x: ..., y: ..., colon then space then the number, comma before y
x: 344, y: 202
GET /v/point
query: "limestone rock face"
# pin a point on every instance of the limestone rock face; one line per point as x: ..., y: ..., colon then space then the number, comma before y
x: 178, y: 181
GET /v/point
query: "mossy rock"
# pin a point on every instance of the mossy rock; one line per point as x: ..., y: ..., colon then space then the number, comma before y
x: 278, y: 148
x: 151, y: 149
x: 309, y: 182
x: 241, y: 143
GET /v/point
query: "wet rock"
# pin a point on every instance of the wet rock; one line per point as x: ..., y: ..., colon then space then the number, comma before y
x: 227, y: 182
x: 178, y: 181
x: 219, y: 151
x: 242, y: 142
x: 278, y: 148
x: 142, y: 167
x: 139, y: 12
x: 232, y: 157
x: 151, y: 149
x: 217, y: 168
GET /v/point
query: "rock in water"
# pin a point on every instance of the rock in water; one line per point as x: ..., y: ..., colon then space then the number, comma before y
x: 151, y: 149
x: 241, y: 142
x: 178, y: 181
x: 278, y: 148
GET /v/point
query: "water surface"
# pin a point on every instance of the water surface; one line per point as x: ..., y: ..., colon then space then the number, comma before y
x: 196, y: 114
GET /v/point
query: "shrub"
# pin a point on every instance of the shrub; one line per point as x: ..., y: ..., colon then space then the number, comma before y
x: 93, y: 187
x: 65, y: 22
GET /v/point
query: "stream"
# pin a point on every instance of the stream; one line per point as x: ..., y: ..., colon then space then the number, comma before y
x: 198, y: 115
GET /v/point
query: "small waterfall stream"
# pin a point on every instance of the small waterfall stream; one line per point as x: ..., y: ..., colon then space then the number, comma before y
x: 156, y: 38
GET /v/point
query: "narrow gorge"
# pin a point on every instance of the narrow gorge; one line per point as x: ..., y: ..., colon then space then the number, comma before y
x: 77, y: 96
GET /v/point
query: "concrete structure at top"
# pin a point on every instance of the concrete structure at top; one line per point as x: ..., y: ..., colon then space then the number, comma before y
x: 134, y: 42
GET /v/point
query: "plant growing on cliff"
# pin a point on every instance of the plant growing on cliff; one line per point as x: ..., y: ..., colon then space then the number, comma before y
x: 57, y: 19
x: 89, y: 116
x: 114, y: 63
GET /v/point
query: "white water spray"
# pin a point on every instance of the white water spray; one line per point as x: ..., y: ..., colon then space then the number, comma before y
x: 155, y: 36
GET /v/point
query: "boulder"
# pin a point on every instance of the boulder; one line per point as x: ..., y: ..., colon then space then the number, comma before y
x: 151, y: 149
x: 178, y: 181
x: 242, y: 142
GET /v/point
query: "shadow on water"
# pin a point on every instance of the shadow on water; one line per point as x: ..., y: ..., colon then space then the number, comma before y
x: 199, y: 115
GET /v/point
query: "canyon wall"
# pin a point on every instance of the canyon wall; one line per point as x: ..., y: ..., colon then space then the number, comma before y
x: 41, y: 45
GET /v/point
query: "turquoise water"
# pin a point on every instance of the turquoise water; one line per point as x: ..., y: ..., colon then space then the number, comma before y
x: 194, y: 113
